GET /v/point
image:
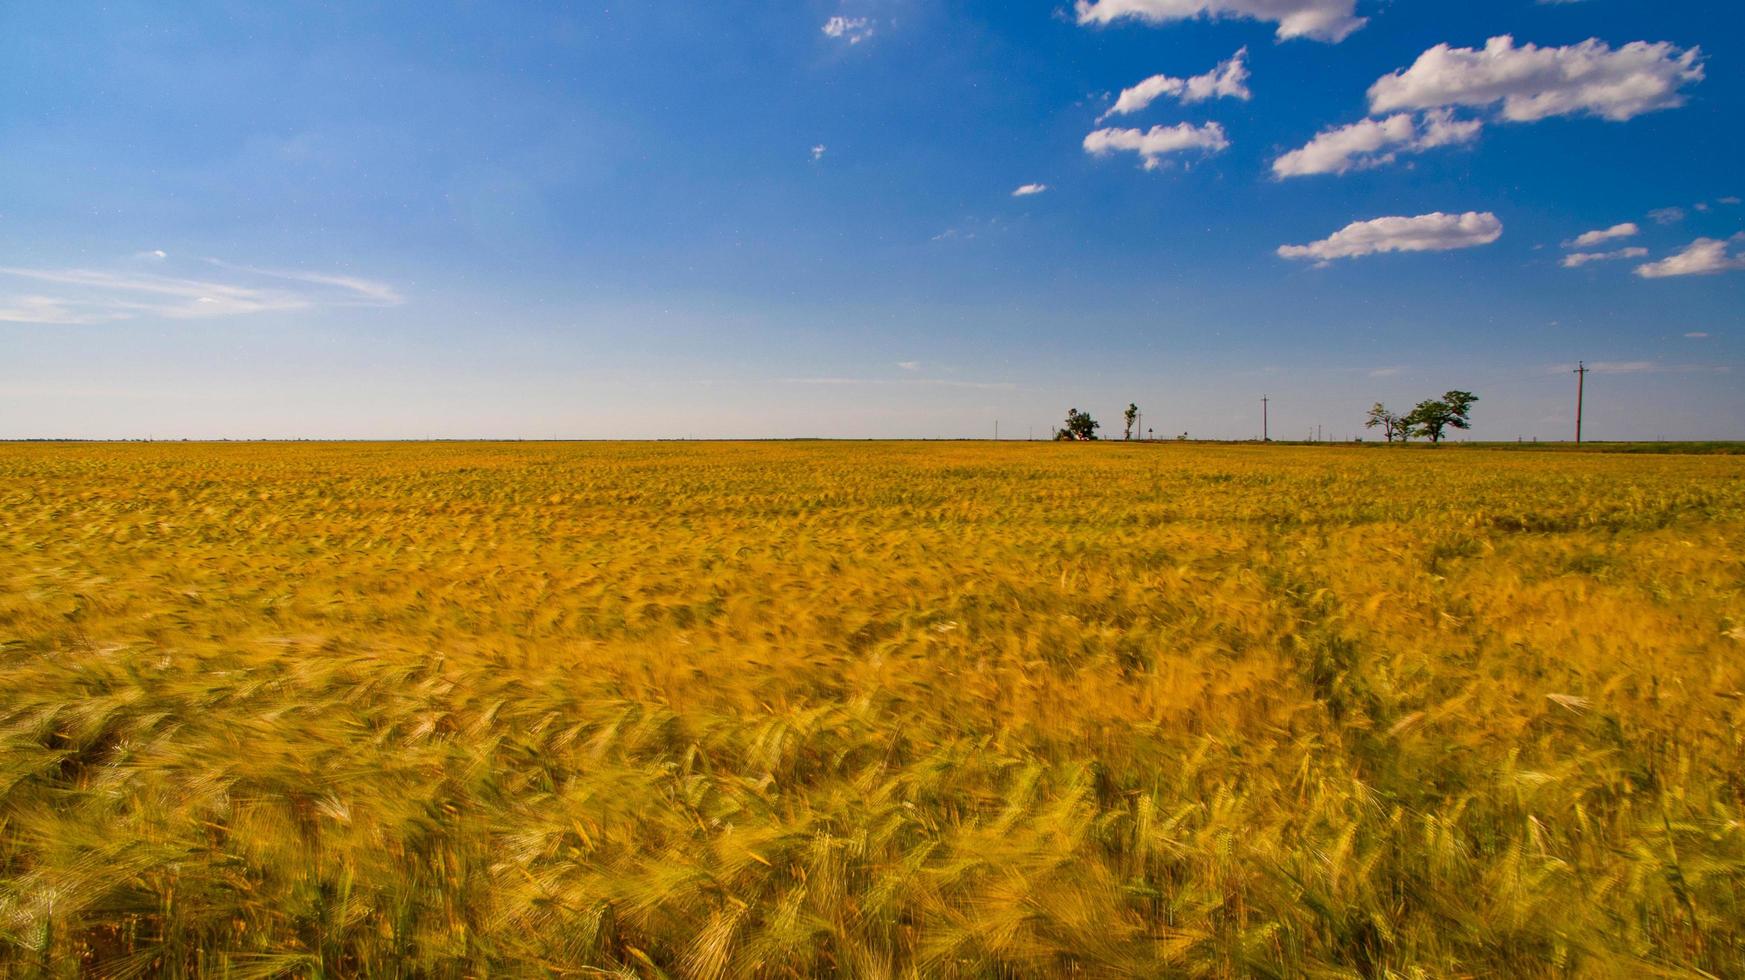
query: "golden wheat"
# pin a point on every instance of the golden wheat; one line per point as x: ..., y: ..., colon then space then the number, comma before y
x: 869, y: 710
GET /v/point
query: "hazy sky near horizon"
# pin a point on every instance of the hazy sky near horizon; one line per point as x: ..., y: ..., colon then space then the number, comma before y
x: 867, y: 217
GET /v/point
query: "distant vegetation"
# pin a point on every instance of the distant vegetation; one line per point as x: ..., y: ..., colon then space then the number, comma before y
x: 1079, y: 427
x: 1431, y: 418
x: 869, y: 710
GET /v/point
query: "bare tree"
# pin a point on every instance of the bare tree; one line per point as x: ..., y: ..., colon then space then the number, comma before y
x: 1391, y: 425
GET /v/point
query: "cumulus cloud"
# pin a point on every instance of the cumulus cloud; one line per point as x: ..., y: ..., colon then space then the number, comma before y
x: 1576, y: 260
x: 1229, y: 80
x: 1323, y: 20
x: 1535, y: 83
x: 88, y: 296
x: 1435, y: 232
x: 1028, y: 190
x: 1588, y: 239
x: 1155, y: 144
x: 1375, y: 142
x: 1705, y: 256
x: 851, y: 29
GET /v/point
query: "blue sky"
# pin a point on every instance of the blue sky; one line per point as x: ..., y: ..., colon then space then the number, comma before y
x: 667, y: 220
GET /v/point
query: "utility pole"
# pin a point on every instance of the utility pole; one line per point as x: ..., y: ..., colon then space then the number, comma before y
x: 1265, y: 436
x: 1580, y: 383
x: 996, y: 430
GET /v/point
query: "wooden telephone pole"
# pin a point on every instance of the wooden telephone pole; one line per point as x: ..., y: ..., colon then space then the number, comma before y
x: 1580, y: 384
x: 1265, y: 435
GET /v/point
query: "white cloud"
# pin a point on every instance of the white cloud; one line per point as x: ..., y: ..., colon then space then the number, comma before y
x: 1534, y: 83
x: 818, y: 151
x: 851, y: 29
x: 1375, y: 142
x: 1667, y: 216
x: 1576, y: 260
x: 1697, y: 335
x: 1701, y: 257
x: 909, y: 365
x: 1154, y: 144
x: 1729, y: 200
x: 1436, y: 232
x: 1323, y: 20
x: 85, y: 296
x: 1588, y: 239
x: 1229, y: 80
x: 1029, y: 189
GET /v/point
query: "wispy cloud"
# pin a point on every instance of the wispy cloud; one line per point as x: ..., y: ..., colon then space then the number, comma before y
x: 1576, y: 260
x: 905, y: 382
x: 89, y: 296
x: 1029, y: 189
x: 818, y: 151
x: 1228, y: 80
x: 1641, y: 367
x: 851, y: 29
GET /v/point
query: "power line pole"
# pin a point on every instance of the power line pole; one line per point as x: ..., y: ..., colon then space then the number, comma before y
x: 1265, y: 436
x: 1580, y: 384
x: 996, y: 430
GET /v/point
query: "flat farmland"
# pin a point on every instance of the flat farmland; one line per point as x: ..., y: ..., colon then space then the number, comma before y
x: 869, y: 710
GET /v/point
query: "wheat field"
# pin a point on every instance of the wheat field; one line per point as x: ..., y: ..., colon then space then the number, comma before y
x: 871, y: 710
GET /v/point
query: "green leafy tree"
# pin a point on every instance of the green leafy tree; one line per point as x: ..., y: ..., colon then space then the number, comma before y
x: 1452, y: 411
x: 1132, y: 416
x: 1080, y: 427
x: 1391, y: 425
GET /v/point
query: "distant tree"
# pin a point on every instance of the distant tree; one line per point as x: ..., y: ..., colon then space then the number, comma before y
x: 1132, y: 416
x: 1391, y: 425
x: 1451, y: 411
x: 1080, y: 427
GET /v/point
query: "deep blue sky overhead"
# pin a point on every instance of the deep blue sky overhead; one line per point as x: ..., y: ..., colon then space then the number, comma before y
x: 651, y: 220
